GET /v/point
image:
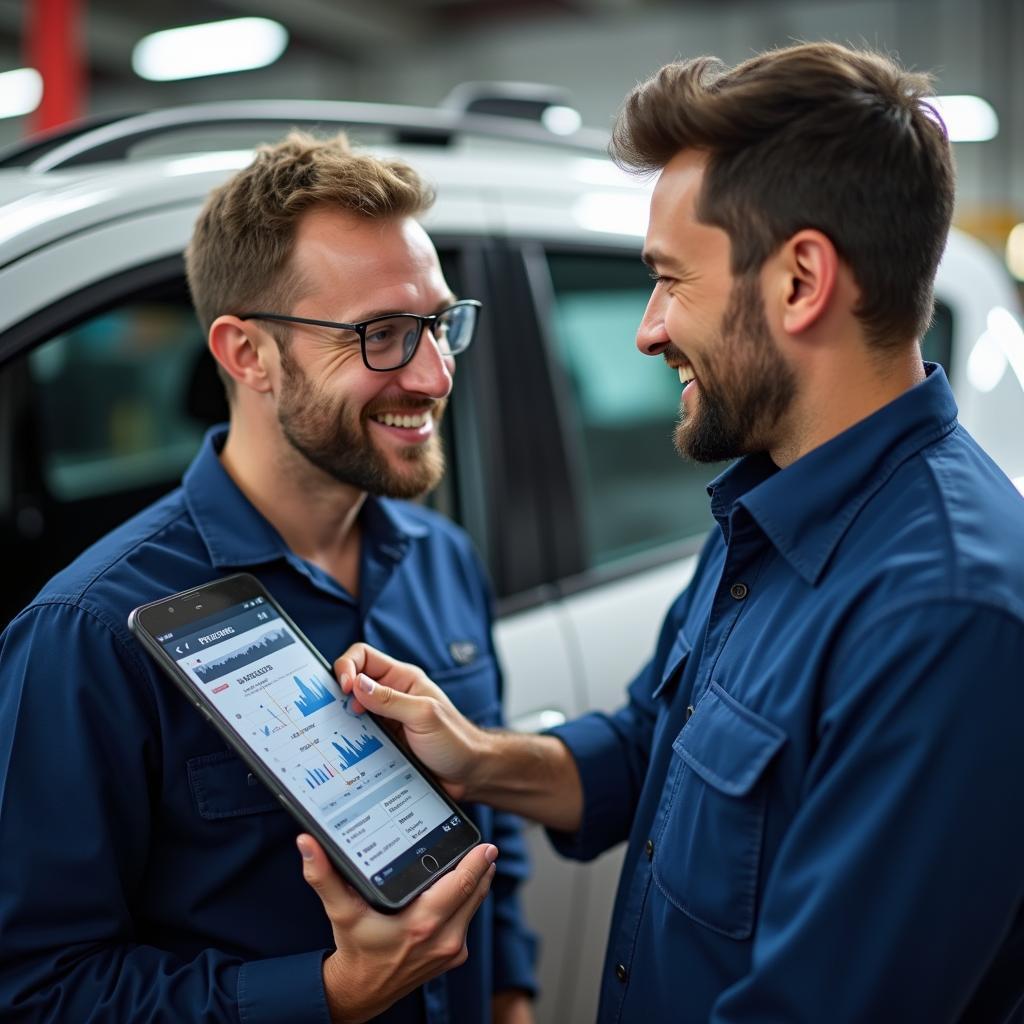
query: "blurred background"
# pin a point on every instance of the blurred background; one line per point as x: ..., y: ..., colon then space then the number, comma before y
x: 587, y: 521
x: 416, y: 51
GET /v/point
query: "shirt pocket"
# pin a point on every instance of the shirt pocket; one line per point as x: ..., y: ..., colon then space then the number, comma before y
x: 223, y: 787
x: 708, y: 851
x: 473, y: 689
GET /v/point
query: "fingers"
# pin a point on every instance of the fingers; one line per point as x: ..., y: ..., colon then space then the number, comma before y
x: 362, y: 658
x: 416, y: 713
x: 462, y: 890
x: 341, y: 902
x: 452, y: 936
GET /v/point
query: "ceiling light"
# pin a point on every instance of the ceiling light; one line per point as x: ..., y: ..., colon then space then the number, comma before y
x: 20, y: 92
x: 561, y: 120
x: 216, y: 48
x: 967, y: 118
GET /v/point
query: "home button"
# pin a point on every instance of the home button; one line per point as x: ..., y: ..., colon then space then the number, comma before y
x: 430, y: 863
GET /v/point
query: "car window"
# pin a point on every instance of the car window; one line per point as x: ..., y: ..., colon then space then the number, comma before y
x: 113, y: 399
x: 637, y: 493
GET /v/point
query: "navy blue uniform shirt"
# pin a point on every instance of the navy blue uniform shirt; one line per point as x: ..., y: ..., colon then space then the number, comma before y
x: 144, y: 874
x: 821, y: 772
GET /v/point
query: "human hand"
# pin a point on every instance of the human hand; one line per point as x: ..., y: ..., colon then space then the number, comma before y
x: 381, y: 957
x: 435, y: 730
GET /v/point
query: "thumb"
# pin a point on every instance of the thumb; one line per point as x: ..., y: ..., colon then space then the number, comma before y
x: 341, y: 902
x: 414, y: 712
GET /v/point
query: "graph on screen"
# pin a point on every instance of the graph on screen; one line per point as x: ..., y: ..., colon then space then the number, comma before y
x: 270, y: 642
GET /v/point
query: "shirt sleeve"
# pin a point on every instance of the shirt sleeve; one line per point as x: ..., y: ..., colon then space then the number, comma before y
x: 900, y: 874
x: 612, y: 751
x: 79, y: 758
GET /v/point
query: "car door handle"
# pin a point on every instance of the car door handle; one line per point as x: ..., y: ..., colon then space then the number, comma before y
x: 537, y: 721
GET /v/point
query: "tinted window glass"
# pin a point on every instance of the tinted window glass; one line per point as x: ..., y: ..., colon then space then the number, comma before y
x: 637, y: 492
x: 113, y: 399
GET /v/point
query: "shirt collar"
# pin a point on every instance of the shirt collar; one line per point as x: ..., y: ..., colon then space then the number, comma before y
x: 806, y: 508
x: 236, y: 534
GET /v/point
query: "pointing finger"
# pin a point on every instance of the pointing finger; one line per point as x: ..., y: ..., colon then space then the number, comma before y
x: 416, y: 713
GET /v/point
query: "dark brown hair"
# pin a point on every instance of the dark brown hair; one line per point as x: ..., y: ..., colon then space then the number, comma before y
x: 240, y: 253
x: 813, y: 136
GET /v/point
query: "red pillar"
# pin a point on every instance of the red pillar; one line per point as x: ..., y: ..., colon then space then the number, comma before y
x: 53, y: 46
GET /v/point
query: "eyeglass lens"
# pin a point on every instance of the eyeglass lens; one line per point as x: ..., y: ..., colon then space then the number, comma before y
x: 391, y: 342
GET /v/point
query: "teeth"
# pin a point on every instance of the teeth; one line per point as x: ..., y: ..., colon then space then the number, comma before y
x: 391, y: 420
x: 686, y: 374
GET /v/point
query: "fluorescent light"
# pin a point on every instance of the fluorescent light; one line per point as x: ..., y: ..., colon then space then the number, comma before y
x: 561, y: 120
x: 967, y: 118
x: 20, y: 92
x: 215, y: 48
x: 1015, y: 252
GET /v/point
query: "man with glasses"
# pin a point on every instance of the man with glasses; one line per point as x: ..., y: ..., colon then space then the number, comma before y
x: 162, y: 880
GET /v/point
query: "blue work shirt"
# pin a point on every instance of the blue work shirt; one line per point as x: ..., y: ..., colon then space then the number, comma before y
x: 144, y: 873
x: 821, y: 771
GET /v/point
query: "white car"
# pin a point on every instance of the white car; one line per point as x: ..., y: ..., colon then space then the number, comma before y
x: 559, y: 432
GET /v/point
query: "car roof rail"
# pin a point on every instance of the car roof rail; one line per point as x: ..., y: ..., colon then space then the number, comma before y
x: 115, y: 139
x: 25, y: 151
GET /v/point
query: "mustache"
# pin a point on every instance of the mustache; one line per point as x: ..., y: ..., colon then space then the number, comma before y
x: 673, y: 354
x: 405, y: 403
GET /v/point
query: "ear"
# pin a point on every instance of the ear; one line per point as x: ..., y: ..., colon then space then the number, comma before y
x: 807, y: 266
x: 242, y: 349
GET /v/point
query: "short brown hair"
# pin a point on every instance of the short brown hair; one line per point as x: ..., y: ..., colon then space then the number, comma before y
x: 811, y: 136
x: 241, y: 247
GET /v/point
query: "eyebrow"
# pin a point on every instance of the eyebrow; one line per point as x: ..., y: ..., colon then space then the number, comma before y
x: 654, y: 258
x: 444, y: 304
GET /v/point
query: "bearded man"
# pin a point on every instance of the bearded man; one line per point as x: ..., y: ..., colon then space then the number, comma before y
x: 817, y: 774
x: 145, y: 874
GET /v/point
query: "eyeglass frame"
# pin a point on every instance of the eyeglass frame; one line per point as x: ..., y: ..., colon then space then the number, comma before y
x: 361, y: 326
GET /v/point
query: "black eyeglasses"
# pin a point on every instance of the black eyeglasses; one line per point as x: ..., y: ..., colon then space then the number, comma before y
x: 389, y: 342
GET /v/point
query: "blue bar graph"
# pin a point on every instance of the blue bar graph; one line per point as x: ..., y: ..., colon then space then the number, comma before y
x: 313, y: 696
x: 355, y: 751
x: 318, y: 776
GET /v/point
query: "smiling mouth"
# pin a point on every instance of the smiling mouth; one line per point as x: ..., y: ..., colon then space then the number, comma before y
x: 686, y: 375
x: 410, y: 421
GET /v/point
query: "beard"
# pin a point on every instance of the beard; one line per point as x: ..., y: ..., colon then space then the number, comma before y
x: 745, y: 387
x: 333, y: 436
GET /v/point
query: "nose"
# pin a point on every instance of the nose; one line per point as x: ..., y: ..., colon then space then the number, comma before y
x: 651, y: 337
x: 429, y: 372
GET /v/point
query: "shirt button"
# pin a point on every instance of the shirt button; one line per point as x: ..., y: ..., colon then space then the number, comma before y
x: 689, y: 711
x: 649, y: 848
x: 739, y: 591
x: 620, y: 972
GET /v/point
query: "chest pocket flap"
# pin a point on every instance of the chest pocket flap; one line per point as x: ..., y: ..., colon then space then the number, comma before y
x: 707, y: 853
x: 726, y: 744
